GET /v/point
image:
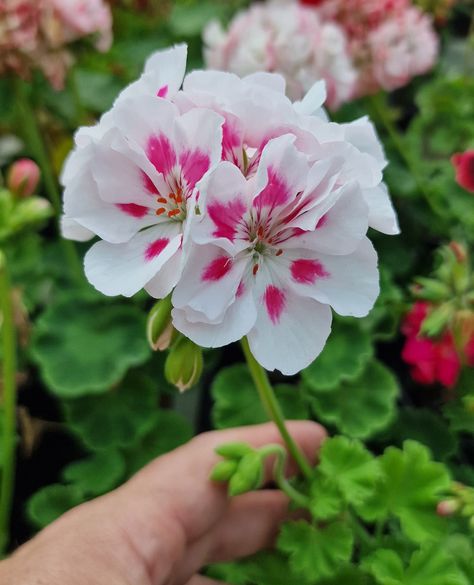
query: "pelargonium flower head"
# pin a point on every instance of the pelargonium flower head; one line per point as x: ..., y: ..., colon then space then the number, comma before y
x: 252, y: 209
x: 287, y: 38
x: 272, y: 254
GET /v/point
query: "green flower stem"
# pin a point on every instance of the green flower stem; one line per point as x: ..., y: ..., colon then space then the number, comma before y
x: 271, y: 405
x: 381, y: 113
x: 279, y: 475
x: 38, y: 148
x: 361, y: 533
x: 8, y: 403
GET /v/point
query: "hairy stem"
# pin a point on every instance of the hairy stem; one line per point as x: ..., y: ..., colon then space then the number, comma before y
x: 8, y: 403
x: 272, y: 407
x: 38, y: 149
x: 279, y: 475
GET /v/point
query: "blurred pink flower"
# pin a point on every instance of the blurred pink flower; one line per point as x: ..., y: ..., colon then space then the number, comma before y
x: 289, y: 39
x: 463, y: 163
x: 34, y: 34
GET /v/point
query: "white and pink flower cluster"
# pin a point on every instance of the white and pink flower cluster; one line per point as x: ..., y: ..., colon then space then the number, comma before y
x: 357, y: 46
x: 251, y: 210
x: 34, y: 34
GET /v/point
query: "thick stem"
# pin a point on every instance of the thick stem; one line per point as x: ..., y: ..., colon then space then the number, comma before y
x: 8, y: 402
x: 272, y: 406
x: 382, y: 114
x: 38, y: 148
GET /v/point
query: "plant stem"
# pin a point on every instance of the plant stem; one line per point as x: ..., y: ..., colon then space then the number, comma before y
x: 279, y: 472
x: 272, y: 406
x: 381, y: 112
x: 8, y: 402
x: 39, y: 151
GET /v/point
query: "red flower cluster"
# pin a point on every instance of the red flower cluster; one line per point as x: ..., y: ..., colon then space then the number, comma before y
x: 432, y: 359
x: 463, y: 163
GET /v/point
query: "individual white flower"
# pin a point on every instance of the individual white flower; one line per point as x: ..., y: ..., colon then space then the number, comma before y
x: 272, y: 253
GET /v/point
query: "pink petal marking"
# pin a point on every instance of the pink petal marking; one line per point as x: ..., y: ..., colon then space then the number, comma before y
x: 322, y: 221
x: 148, y: 184
x: 275, y: 192
x: 194, y: 165
x: 161, y: 154
x: 226, y: 217
x: 240, y: 290
x: 306, y: 271
x: 155, y: 248
x: 275, y: 300
x: 133, y: 209
x: 231, y: 139
x: 162, y: 92
x: 217, y: 269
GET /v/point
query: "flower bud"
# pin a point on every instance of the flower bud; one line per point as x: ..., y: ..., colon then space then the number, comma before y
x: 447, y: 507
x: 234, y: 450
x: 159, y: 329
x: 23, y: 177
x: 29, y: 213
x: 430, y: 289
x: 224, y: 470
x: 437, y: 320
x: 249, y: 475
x: 184, y: 364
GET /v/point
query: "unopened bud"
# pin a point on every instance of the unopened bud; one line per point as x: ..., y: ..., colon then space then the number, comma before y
x: 224, y: 470
x: 159, y: 329
x: 184, y: 364
x: 447, y: 507
x: 459, y: 251
x: 234, y: 450
x: 437, y: 320
x: 30, y: 212
x: 23, y: 177
x: 249, y: 475
x: 430, y: 289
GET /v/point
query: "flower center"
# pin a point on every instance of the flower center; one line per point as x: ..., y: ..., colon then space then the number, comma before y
x: 174, y: 205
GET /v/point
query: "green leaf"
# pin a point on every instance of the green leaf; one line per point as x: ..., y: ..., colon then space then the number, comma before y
x: 410, y: 487
x: 352, y: 468
x: 349, y: 576
x: 116, y: 419
x: 424, y: 426
x: 96, y: 475
x: 236, y: 400
x: 314, y: 552
x: 168, y: 431
x: 326, y: 499
x: 50, y: 502
x: 360, y: 407
x: 84, y: 345
x: 431, y: 565
x: 343, y: 358
x: 97, y: 90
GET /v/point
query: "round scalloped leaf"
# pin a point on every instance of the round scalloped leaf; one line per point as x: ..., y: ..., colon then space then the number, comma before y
x: 52, y: 501
x: 236, y: 400
x: 343, y: 358
x: 85, y: 346
x: 97, y: 474
x: 115, y: 419
x: 168, y: 431
x: 410, y: 486
x: 361, y: 407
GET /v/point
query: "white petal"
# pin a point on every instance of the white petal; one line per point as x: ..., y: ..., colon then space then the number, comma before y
x: 382, y: 215
x: 313, y: 100
x: 362, y: 134
x: 164, y: 282
x: 272, y: 81
x: 124, y: 269
x: 72, y: 230
x: 290, y: 340
x: 237, y: 321
x: 349, y: 283
x: 210, y: 281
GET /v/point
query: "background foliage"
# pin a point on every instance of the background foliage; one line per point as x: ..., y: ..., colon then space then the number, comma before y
x: 94, y: 406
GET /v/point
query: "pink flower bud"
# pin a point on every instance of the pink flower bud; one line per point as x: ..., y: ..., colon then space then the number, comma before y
x: 23, y: 177
x: 447, y: 507
x: 463, y: 163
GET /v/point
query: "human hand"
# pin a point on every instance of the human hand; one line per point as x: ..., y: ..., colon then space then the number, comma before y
x: 165, y: 524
